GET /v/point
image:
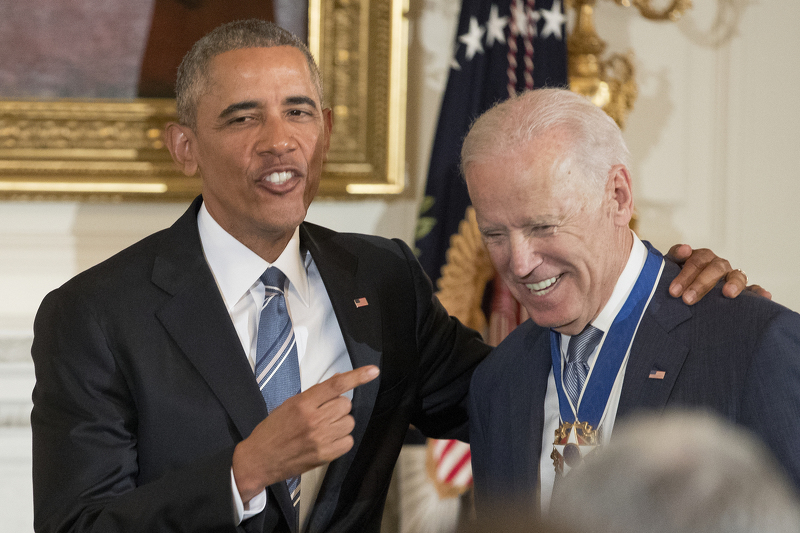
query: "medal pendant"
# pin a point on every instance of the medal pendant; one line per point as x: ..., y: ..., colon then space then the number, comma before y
x: 573, y: 442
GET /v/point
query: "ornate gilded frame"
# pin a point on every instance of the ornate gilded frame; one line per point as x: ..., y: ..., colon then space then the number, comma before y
x: 112, y: 150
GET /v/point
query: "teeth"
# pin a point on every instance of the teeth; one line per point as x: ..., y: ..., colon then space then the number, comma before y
x: 279, y: 178
x: 542, y: 285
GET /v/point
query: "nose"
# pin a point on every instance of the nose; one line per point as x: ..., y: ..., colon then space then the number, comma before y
x: 276, y: 136
x: 523, y: 256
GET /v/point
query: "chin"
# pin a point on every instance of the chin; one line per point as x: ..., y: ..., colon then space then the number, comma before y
x: 552, y: 320
x: 543, y: 320
x: 283, y: 214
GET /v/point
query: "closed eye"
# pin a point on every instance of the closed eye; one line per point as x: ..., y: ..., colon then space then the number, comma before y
x: 240, y: 120
x: 543, y: 230
x: 492, y: 236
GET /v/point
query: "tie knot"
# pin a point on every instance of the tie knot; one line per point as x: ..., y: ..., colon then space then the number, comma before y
x: 273, y: 279
x: 583, y: 344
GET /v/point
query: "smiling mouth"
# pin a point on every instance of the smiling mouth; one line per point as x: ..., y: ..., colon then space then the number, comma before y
x: 279, y: 178
x: 541, y: 288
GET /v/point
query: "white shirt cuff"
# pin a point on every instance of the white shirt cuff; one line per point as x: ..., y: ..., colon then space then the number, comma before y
x: 242, y: 512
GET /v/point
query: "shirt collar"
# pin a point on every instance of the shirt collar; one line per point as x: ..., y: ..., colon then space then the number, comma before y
x: 236, y: 268
x: 624, y: 285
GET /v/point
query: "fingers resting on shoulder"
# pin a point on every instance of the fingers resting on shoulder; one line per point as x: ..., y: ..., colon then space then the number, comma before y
x: 700, y: 272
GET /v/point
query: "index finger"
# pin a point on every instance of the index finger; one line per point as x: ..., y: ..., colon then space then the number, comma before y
x: 338, y: 384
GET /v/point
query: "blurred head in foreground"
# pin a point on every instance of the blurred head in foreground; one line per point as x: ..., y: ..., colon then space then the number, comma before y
x: 680, y: 473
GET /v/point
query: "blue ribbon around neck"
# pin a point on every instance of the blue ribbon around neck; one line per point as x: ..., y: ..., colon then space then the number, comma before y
x: 619, y: 337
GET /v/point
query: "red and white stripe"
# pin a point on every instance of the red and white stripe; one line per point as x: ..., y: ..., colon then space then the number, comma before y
x: 453, y: 463
x: 513, y: 33
x: 530, y: 31
x: 527, y: 33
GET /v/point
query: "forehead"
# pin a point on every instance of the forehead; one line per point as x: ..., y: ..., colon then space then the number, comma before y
x: 276, y: 68
x: 515, y: 169
x: 522, y: 183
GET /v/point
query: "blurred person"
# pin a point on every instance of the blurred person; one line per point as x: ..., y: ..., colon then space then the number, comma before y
x: 683, y: 472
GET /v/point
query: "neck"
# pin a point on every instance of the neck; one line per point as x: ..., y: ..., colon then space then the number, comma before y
x: 267, y: 249
x: 623, y: 244
x: 268, y: 245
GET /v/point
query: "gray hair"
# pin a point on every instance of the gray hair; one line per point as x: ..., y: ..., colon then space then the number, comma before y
x: 252, y: 33
x: 680, y: 473
x: 595, y: 142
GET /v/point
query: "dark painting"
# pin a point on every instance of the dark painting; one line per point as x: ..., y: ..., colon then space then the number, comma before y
x: 114, y: 48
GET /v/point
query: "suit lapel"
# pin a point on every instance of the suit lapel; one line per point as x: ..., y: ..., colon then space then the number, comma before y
x: 196, y: 318
x: 655, y: 349
x: 522, y: 365
x: 535, y: 372
x: 360, y: 328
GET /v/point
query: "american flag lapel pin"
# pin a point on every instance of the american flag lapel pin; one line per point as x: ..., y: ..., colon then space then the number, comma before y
x: 657, y: 374
x: 361, y: 302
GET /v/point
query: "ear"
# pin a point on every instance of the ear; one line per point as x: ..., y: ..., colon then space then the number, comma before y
x: 621, y: 193
x: 180, y: 141
x: 327, y: 120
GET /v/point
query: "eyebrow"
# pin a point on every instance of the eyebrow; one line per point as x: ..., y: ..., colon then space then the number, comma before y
x: 239, y: 106
x: 300, y: 100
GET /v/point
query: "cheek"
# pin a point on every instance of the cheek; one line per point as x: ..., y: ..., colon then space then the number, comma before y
x: 309, y: 137
x: 498, y: 254
x: 520, y: 293
x: 222, y: 161
x: 310, y: 191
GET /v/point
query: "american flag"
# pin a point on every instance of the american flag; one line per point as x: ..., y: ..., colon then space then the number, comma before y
x: 452, y: 471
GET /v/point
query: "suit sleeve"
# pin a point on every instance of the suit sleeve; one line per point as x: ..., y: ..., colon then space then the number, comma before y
x: 85, y: 456
x: 477, y: 439
x: 449, y: 353
x: 772, y: 392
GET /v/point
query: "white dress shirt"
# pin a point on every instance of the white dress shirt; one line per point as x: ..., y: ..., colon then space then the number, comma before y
x: 603, y: 322
x: 320, y: 345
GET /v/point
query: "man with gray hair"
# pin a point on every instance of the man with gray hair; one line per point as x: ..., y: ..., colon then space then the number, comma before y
x: 548, y: 176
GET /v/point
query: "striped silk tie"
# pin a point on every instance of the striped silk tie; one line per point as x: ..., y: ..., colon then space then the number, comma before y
x: 580, y: 348
x: 277, y: 368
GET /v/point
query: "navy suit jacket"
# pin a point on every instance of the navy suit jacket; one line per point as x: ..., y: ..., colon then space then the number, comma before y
x: 143, y: 389
x: 739, y: 358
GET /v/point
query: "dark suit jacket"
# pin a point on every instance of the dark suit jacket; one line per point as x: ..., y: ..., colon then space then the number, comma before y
x: 739, y: 358
x: 143, y: 389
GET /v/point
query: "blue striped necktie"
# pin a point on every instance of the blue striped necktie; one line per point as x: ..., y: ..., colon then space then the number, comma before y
x: 277, y: 368
x: 580, y: 348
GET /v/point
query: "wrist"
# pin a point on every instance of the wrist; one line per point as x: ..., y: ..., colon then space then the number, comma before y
x: 245, y: 475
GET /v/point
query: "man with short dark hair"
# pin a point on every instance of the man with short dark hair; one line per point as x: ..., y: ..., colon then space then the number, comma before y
x: 156, y: 370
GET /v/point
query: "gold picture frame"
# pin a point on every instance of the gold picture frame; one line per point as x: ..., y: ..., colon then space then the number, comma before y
x: 113, y: 150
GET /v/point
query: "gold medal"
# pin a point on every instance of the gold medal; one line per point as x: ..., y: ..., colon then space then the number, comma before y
x: 573, y: 442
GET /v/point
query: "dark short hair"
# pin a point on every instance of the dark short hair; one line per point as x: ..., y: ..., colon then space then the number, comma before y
x: 252, y: 33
